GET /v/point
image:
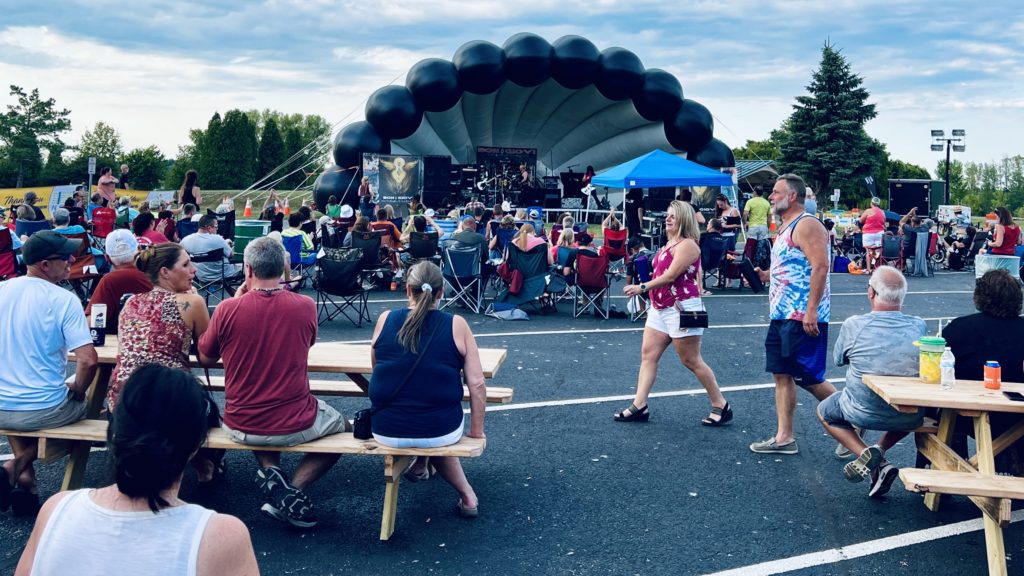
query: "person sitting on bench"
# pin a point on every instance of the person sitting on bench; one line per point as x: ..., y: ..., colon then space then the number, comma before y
x: 138, y: 525
x: 881, y: 342
x: 266, y: 381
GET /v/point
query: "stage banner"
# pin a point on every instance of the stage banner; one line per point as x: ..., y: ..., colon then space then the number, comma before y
x: 704, y: 196
x: 394, y: 180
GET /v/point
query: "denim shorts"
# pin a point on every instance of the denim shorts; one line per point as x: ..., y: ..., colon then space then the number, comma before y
x: 831, y: 411
x: 790, y: 350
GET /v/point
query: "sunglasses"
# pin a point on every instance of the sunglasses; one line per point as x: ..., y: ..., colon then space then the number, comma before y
x: 64, y: 258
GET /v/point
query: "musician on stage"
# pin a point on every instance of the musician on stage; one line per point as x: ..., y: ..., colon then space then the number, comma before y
x: 524, y: 176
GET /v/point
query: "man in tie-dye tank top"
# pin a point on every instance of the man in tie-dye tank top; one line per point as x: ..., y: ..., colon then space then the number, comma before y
x: 797, y: 342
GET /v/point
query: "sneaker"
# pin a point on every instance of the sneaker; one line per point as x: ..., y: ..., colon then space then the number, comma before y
x: 842, y: 452
x: 770, y: 446
x: 294, y: 508
x: 864, y: 465
x: 272, y: 483
x: 882, y: 479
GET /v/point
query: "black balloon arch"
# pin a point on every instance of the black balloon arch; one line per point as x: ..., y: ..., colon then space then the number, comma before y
x: 576, y: 105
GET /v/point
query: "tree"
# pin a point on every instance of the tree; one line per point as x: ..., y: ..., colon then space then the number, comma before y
x: 148, y: 167
x: 899, y: 169
x: 758, y: 150
x: 824, y: 140
x: 236, y: 145
x: 959, y: 193
x: 102, y: 142
x: 208, y: 154
x: 292, y: 146
x: 271, y: 153
x: 25, y: 127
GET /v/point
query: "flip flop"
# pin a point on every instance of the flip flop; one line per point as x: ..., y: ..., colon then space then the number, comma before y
x: 467, y: 512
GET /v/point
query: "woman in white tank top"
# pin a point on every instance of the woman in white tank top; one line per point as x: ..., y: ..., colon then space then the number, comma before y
x: 139, y: 525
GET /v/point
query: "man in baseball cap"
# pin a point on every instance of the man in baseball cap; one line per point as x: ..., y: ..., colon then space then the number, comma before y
x: 42, y: 322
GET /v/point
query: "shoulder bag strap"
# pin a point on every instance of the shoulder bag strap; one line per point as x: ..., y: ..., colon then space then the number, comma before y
x: 409, y: 374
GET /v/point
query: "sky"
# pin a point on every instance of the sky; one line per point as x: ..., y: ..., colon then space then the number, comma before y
x: 154, y: 70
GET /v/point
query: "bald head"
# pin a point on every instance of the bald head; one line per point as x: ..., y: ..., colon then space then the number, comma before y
x: 889, y: 286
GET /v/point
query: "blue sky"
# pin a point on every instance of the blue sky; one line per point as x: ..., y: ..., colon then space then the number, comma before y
x: 153, y: 70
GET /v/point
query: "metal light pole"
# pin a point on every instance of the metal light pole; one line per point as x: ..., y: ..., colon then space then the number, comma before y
x: 939, y: 141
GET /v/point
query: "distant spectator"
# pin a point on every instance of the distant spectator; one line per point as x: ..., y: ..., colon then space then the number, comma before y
x: 189, y: 193
x: 811, y: 203
x: 958, y: 247
x: 501, y: 236
x: 362, y: 224
x: 729, y: 219
x: 125, y: 213
x: 124, y: 177
x: 95, y: 201
x: 125, y: 278
x: 872, y: 222
x: 526, y: 240
x: 138, y: 525
x: 26, y: 213
x: 636, y: 248
x: 1004, y: 241
x: 143, y: 228
x: 205, y: 240
x: 910, y: 226
x: 106, y: 186
x: 30, y: 200
x: 333, y: 208
x: 567, y: 240
x: 756, y: 213
x: 294, y: 229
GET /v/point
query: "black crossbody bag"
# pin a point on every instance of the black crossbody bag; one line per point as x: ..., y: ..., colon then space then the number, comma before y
x: 693, y: 319
x: 362, y: 425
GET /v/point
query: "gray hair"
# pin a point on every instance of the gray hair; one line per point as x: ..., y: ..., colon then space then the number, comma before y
x: 61, y: 217
x: 266, y: 258
x: 796, y: 184
x: 889, y: 285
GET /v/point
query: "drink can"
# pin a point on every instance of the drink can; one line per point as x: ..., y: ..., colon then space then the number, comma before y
x: 993, y: 375
x: 98, y: 321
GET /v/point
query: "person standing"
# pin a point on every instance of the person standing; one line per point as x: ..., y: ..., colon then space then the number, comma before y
x: 189, y: 193
x: 634, y: 211
x: 797, y: 342
x: 365, y: 198
x: 124, y: 177
x: 872, y: 223
x: 729, y: 217
x: 756, y: 213
x: 107, y: 185
x: 674, y: 288
x: 1004, y: 241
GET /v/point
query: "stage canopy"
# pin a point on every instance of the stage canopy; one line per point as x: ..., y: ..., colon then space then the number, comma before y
x: 576, y: 105
x: 657, y: 169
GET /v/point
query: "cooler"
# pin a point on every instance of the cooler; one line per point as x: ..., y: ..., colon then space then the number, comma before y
x: 985, y: 262
x: 248, y: 230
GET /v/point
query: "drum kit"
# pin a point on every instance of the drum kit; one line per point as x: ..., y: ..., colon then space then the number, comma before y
x: 496, y: 184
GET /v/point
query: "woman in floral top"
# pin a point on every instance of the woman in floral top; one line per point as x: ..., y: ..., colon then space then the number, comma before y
x: 675, y: 286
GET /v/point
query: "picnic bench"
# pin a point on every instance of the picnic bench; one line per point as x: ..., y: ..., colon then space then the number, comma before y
x: 950, y: 473
x: 353, y: 360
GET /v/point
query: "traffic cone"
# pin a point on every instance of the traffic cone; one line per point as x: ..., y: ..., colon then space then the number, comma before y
x: 248, y: 208
x: 277, y: 206
x: 771, y: 225
x: 287, y: 210
x: 394, y: 285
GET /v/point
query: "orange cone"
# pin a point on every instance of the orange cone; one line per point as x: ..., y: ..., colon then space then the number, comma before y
x: 771, y: 225
x: 287, y: 210
x: 248, y: 208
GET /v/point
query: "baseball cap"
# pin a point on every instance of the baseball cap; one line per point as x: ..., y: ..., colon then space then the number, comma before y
x: 31, y: 196
x: 42, y: 244
x: 534, y: 213
x: 346, y: 211
x: 875, y: 200
x: 121, y: 243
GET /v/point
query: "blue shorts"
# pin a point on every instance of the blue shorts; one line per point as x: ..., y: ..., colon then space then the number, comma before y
x: 789, y: 350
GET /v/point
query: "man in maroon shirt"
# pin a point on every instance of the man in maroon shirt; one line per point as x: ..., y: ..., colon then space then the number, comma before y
x: 266, y: 380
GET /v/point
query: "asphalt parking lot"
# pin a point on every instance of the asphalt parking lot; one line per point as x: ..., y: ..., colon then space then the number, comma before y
x: 565, y: 490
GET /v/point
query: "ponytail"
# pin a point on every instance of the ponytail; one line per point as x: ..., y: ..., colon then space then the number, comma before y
x: 426, y: 284
x: 522, y: 240
x: 162, y: 255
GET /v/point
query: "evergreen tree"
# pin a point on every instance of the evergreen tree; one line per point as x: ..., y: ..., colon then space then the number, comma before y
x: 237, y: 148
x: 209, y: 155
x: 271, y: 153
x: 825, y: 140
x: 24, y: 128
x: 292, y: 145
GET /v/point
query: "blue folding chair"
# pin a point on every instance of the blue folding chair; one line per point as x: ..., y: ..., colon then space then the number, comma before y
x: 30, y: 227
x: 300, y: 262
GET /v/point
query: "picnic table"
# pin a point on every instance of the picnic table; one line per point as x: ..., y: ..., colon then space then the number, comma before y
x: 352, y: 360
x: 950, y: 473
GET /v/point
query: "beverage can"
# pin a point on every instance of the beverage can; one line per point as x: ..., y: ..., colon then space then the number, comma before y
x: 99, y: 316
x: 993, y: 375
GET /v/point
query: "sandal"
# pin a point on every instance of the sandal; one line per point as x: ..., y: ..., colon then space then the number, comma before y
x: 467, y: 512
x: 707, y: 293
x: 724, y: 415
x: 635, y: 414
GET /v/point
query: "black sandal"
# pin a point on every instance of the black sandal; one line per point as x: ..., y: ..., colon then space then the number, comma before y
x: 635, y: 414
x: 724, y: 415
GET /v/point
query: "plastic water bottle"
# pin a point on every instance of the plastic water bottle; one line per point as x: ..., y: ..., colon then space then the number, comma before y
x: 947, y: 367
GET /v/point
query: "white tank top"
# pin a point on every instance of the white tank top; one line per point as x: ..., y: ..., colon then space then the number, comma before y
x: 82, y: 537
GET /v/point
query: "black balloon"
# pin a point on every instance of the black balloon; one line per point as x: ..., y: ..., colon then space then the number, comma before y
x: 342, y: 184
x: 434, y: 84
x: 356, y: 138
x: 576, y: 62
x: 691, y: 127
x: 660, y: 97
x: 527, y: 59
x: 621, y: 74
x: 714, y: 155
x: 393, y: 112
x: 481, y: 66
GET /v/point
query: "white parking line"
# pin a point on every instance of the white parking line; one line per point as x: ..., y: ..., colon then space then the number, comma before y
x: 6, y: 457
x: 860, y: 550
x: 738, y: 295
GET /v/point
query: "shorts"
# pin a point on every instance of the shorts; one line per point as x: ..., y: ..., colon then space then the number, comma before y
x: 446, y: 440
x: 789, y: 350
x: 831, y: 411
x: 666, y: 320
x: 328, y: 421
x: 68, y: 411
x: 758, y: 233
x: 873, y: 240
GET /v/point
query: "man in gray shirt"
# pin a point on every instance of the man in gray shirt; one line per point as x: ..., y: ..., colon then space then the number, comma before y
x: 205, y: 240
x: 882, y: 343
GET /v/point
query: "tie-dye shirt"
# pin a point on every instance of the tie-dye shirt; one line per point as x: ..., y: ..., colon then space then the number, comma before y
x: 791, y: 280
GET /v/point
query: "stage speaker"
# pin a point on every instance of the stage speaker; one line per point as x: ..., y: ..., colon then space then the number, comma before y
x: 437, y: 173
x: 572, y: 184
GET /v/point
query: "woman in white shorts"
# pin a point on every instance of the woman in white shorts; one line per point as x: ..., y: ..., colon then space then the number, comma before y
x: 674, y: 286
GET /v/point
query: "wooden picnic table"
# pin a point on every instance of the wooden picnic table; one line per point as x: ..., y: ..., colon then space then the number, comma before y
x: 952, y: 474
x: 352, y: 360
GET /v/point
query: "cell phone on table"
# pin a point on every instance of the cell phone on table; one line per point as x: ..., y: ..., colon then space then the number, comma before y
x: 1015, y: 396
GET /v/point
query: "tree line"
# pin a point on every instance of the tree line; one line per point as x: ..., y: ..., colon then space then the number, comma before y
x: 231, y: 153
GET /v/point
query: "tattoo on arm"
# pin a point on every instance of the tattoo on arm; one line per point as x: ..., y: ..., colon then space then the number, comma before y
x: 185, y: 306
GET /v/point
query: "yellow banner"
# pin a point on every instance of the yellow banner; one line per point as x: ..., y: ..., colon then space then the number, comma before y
x: 52, y: 197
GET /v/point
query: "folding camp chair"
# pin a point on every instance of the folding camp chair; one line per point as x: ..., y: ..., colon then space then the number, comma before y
x: 338, y: 286
x: 186, y: 227
x: 591, y: 284
x: 892, y: 251
x: 30, y: 227
x: 84, y: 273
x: 713, y: 249
x: 638, y: 305
x: 463, y: 277
x: 533, y: 266
x: 615, y: 249
x: 221, y: 286
x: 300, y: 263
x: 103, y: 222
x: 8, y: 259
x: 422, y: 246
x: 564, y: 268
x: 225, y: 224
x: 374, y: 264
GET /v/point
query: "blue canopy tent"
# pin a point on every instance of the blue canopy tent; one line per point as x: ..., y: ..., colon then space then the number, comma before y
x: 657, y: 169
